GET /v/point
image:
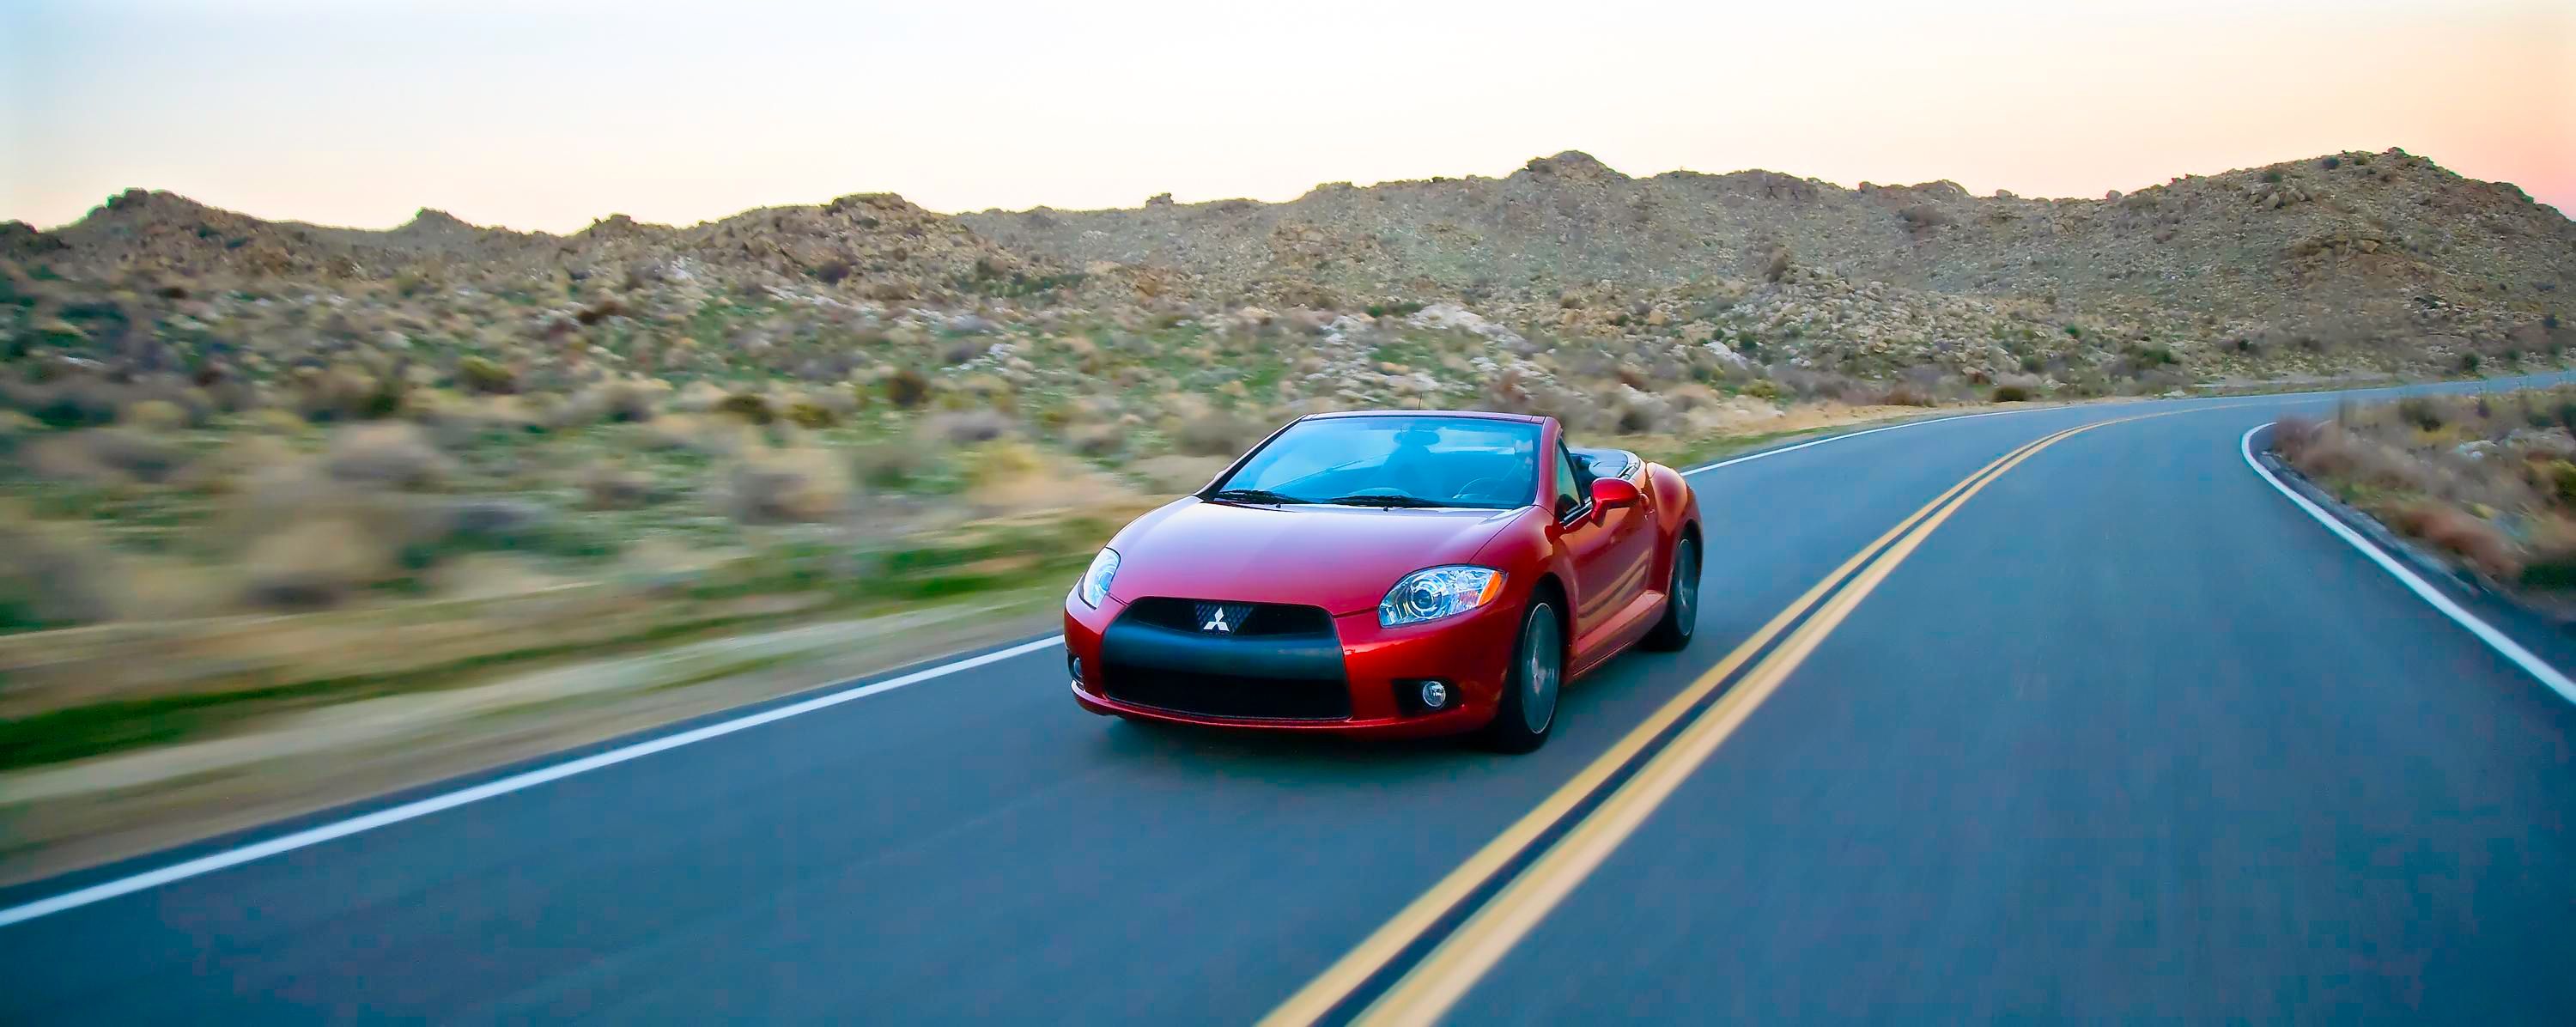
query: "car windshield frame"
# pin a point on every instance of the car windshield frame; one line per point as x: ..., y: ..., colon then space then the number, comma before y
x: 1512, y: 437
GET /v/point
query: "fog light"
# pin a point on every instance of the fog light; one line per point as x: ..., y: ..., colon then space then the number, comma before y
x: 1435, y: 695
x: 1073, y: 664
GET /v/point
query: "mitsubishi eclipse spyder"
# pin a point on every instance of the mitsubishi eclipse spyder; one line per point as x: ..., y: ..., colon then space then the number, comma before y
x: 1398, y: 573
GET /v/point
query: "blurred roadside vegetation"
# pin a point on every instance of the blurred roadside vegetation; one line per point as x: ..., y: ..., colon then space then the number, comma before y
x: 218, y: 502
x: 2488, y: 479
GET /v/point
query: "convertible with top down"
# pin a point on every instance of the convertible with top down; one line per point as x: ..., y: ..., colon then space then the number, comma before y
x: 1391, y: 573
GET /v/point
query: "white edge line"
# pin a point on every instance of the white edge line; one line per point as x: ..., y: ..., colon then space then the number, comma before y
x: 516, y: 782
x: 2512, y: 650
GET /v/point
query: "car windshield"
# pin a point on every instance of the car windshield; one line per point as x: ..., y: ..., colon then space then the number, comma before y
x: 1392, y: 461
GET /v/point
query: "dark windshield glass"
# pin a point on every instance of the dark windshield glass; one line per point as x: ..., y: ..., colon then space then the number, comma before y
x: 1393, y: 461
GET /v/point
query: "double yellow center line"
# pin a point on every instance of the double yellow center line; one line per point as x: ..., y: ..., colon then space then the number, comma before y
x: 1412, y: 969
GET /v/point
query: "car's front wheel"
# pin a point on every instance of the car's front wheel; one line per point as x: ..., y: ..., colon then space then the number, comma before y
x: 1681, y: 599
x: 1528, y: 709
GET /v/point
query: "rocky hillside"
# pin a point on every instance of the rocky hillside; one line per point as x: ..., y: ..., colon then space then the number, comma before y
x: 2381, y: 261
x: 2374, y: 257
x: 875, y: 245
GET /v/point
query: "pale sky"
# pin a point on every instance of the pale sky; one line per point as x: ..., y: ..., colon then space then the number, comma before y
x: 548, y: 115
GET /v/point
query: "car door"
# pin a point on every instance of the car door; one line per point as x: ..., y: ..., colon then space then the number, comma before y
x: 1607, y: 549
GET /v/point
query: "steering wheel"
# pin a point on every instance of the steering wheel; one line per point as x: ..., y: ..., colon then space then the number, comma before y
x: 1382, y: 490
x: 1489, y: 487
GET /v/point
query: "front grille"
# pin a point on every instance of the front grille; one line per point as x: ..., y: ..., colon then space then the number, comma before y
x: 1222, y: 658
x: 1243, y: 619
x: 1229, y: 695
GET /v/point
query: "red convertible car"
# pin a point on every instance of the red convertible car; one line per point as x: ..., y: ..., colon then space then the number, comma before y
x: 1388, y: 573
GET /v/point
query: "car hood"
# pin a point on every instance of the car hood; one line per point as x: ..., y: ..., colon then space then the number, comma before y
x: 1343, y: 559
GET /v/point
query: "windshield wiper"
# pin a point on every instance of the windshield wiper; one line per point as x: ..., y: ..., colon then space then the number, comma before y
x: 1254, y: 496
x: 1407, y: 502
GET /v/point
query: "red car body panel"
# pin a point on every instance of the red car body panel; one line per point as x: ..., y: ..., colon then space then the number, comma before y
x: 1610, y: 566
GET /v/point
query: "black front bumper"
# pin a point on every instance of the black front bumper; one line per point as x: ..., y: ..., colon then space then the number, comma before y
x: 1276, y: 662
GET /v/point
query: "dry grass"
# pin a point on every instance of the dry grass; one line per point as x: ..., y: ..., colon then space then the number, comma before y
x: 2487, y: 479
x: 787, y: 486
x: 54, y: 574
x: 105, y: 456
x: 314, y: 564
x: 1215, y: 433
x: 608, y: 486
x: 398, y: 456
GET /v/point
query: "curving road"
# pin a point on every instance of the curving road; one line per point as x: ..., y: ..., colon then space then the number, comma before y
x: 2112, y: 731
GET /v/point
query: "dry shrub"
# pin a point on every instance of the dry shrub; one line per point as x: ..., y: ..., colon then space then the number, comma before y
x: 806, y: 413
x: 159, y: 589
x: 458, y: 419
x: 996, y: 462
x: 2551, y: 541
x: 896, y: 463
x: 1690, y: 396
x: 619, y: 401
x: 1081, y: 410
x: 16, y: 428
x: 907, y: 388
x: 1175, y: 473
x: 2558, y: 478
x: 105, y: 456
x: 1806, y: 384
x: 67, y: 403
x: 786, y: 486
x: 603, y: 310
x: 314, y: 564
x: 967, y: 427
x: 2011, y: 394
x: 1906, y: 394
x: 607, y: 486
x: 344, y: 394
x: 1636, y: 412
x: 494, y: 519
x: 749, y: 406
x: 2292, y: 434
x: 841, y: 402
x: 1097, y: 440
x: 2457, y: 532
x: 697, y: 433
x: 984, y: 390
x: 2328, y: 451
x: 1215, y: 433
x: 1013, y: 477
x: 223, y: 470
x: 396, y: 456
x: 482, y: 575
x: 699, y: 397
x: 1923, y: 217
x: 54, y: 575
x: 481, y: 374
x: 2424, y: 412
x: 153, y: 415
x: 276, y: 421
x: 1512, y: 391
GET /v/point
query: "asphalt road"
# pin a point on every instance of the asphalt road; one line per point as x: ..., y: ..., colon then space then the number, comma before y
x: 2128, y: 736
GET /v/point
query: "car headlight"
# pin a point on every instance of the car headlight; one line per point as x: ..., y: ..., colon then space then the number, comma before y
x: 1095, y: 582
x: 1437, y: 592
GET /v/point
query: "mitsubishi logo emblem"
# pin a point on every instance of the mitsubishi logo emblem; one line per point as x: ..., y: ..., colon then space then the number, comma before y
x: 1217, y: 622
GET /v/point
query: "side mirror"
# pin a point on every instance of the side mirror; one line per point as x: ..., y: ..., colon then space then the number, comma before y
x: 1613, y: 492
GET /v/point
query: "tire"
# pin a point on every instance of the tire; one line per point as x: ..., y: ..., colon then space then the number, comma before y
x: 1533, y: 686
x: 1681, y: 600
